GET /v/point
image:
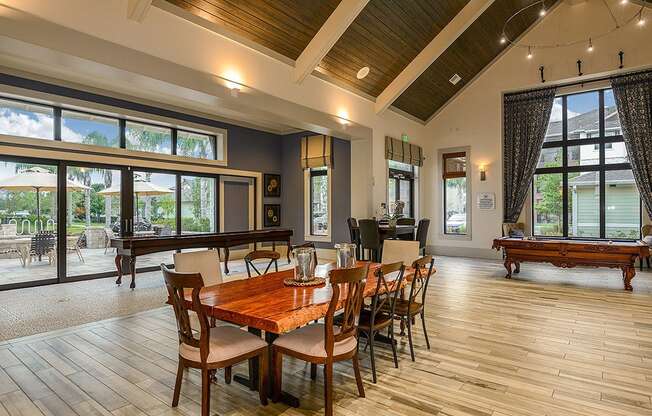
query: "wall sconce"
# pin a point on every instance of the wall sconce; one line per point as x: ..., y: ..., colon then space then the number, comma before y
x: 483, y: 173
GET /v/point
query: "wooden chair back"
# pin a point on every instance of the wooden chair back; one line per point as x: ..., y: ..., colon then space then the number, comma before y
x: 422, y: 232
x: 308, y: 244
x: 177, y: 283
x: 423, y: 269
x: 350, y: 282
x: 272, y: 256
x: 386, y: 292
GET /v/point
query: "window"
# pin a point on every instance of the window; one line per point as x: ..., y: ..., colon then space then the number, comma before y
x: 401, y: 187
x: 89, y: 129
x: 583, y: 186
x: 19, y: 118
x: 197, y: 145
x: 197, y: 204
x: 148, y: 138
x: 319, y: 215
x: 455, y: 192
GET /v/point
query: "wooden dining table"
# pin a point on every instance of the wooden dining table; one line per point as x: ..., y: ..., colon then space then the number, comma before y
x: 265, y: 303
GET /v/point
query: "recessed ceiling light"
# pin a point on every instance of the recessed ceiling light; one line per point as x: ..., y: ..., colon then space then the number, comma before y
x: 363, y: 72
x: 455, y: 79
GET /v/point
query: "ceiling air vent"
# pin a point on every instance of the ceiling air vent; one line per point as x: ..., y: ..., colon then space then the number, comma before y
x: 455, y: 79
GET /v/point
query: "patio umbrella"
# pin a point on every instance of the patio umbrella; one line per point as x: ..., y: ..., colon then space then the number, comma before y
x: 37, y: 179
x: 141, y: 187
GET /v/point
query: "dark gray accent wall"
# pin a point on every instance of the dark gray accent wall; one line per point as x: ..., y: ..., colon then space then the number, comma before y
x: 292, y: 203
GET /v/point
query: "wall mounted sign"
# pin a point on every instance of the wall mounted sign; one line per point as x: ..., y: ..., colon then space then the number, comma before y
x: 486, y: 200
x: 272, y: 184
x: 272, y: 215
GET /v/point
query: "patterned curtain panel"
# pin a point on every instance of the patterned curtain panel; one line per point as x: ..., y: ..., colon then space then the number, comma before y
x: 316, y: 151
x: 526, y: 116
x: 400, y: 151
x: 633, y: 93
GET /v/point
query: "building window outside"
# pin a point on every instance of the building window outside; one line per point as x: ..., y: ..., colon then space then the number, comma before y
x: 319, y: 212
x: 455, y: 193
x: 583, y: 186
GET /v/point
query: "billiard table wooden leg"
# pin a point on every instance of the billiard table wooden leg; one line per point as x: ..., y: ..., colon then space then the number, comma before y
x: 628, y: 274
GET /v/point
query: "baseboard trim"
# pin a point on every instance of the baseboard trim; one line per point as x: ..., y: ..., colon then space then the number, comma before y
x: 481, y: 253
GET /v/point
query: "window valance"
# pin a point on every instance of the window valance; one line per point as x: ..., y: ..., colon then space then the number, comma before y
x: 316, y: 151
x: 400, y: 151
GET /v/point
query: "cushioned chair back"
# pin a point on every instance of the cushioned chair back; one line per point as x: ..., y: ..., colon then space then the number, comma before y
x: 369, y: 234
x: 205, y: 262
x: 422, y: 232
x: 405, y: 221
x: 354, y: 231
x: 400, y: 250
x: 511, y: 226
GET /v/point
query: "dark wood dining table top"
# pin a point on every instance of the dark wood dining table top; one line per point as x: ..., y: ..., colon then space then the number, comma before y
x: 266, y: 303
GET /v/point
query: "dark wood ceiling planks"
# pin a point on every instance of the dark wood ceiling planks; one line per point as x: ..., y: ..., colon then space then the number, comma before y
x: 284, y: 26
x: 467, y: 56
x: 386, y: 36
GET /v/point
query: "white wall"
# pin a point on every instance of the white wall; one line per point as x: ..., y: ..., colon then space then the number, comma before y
x: 169, y: 59
x: 474, y: 117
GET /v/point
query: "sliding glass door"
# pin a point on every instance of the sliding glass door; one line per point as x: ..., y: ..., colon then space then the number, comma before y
x: 28, y: 222
x: 93, y: 217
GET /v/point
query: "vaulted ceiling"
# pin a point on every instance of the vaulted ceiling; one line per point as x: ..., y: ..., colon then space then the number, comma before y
x: 386, y: 36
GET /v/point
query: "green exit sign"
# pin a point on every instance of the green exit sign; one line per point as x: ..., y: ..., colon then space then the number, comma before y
x: 405, y: 137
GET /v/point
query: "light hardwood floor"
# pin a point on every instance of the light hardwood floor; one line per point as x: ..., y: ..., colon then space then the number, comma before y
x: 550, y: 342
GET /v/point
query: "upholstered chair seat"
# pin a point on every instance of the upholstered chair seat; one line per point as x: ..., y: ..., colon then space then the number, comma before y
x: 225, y: 343
x: 309, y: 340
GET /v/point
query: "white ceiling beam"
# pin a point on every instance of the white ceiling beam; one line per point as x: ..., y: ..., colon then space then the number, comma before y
x: 137, y: 9
x: 425, y: 58
x: 328, y: 34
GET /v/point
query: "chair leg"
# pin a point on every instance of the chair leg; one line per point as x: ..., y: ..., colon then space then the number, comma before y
x: 648, y: 262
x: 205, y: 392
x: 409, y: 330
x: 393, y: 343
x: 358, y: 377
x: 227, y: 374
x: 177, y: 384
x: 328, y: 389
x: 425, y: 332
x: 313, y: 371
x: 262, y: 377
x: 371, y: 356
x: 277, y: 363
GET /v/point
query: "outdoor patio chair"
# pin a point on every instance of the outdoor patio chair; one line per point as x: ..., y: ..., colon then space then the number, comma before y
x: 109, y: 235
x: 43, y: 244
x: 76, y: 247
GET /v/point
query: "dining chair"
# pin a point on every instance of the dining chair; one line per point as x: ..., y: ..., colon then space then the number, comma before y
x: 272, y: 256
x: 204, y: 262
x: 422, y: 234
x: 327, y: 343
x: 380, y: 314
x: 308, y: 244
x: 354, y: 234
x: 215, y: 348
x: 370, y: 239
x: 400, y: 250
x: 405, y: 221
x: 407, y: 309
